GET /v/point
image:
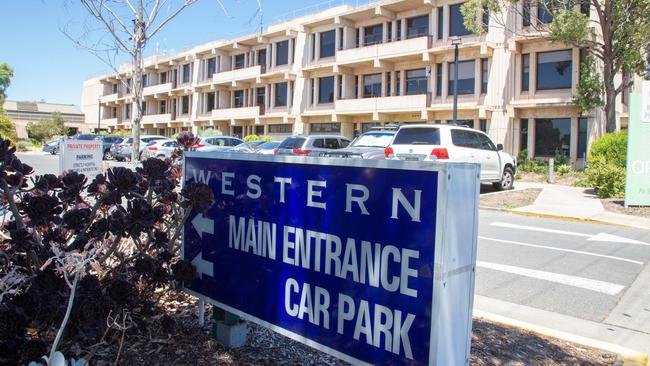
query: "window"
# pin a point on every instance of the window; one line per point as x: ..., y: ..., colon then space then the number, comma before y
x: 185, y: 104
x: 340, y: 45
x: 543, y: 14
x: 485, y: 75
x: 327, y: 44
x: 582, y: 138
x: 526, y: 12
x: 523, y: 134
x: 398, y: 84
x: 417, y: 136
x: 312, y: 84
x: 485, y: 142
x: 163, y: 77
x: 357, y: 36
x: 483, y: 125
x: 465, y: 138
x: 554, y: 70
x: 281, y: 95
x: 552, y: 137
x: 145, y: 80
x: 282, y: 53
x: 417, y: 26
x: 441, y: 22
x: 283, y: 128
x: 144, y: 107
x: 212, y: 67
x: 186, y: 73
x: 373, y: 34
x: 399, y: 29
x: 416, y: 81
x: 456, y: 23
x: 326, y: 90
x: 114, y: 112
x: 325, y: 128
x: 389, y: 85
x: 127, y: 111
x: 525, y: 72
x: 465, y: 78
x: 240, y: 61
x: 356, y: 86
x: 313, y: 46
x: 339, y: 86
x: 461, y: 122
x: 114, y: 88
x: 259, y: 130
x: 162, y: 107
x: 238, y: 98
x: 128, y: 86
x: 209, y: 99
x: 261, y: 57
x: 371, y: 85
x: 365, y: 127
x: 260, y: 94
x: 389, y: 33
x: 438, y: 79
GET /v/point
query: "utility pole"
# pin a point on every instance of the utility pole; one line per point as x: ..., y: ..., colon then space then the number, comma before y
x: 455, y: 41
x: 99, y: 114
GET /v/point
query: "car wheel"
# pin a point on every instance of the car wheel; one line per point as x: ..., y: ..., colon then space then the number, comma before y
x: 53, y: 152
x: 507, y: 180
x: 161, y: 156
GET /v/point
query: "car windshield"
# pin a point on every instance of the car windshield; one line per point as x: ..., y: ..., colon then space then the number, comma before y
x: 373, y: 139
x: 268, y: 145
x: 86, y: 137
x: 417, y: 136
x: 292, y: 143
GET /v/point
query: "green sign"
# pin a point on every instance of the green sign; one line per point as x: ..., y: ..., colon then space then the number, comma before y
x: 637, y: 182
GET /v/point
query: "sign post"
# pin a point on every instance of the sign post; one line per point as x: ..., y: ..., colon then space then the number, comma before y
x: 370, y: 261
x: 637, y: 180
x: 82, y: 156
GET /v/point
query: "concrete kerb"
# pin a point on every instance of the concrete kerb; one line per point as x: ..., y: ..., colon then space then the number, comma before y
x: 625, y: 356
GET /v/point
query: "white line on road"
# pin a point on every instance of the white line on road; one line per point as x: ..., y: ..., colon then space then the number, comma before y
x: 561, y: 249
x: 581, y: 282
x: 595, y: 237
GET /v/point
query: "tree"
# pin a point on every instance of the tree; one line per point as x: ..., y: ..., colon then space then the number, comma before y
x: 619, y: 39
x: 45, y: 129
x: 7, y: 128
x: 6, y: 73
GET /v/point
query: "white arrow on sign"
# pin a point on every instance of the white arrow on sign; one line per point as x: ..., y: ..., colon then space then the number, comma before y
x: 203, y: 225
x: 590, y: 237
x: 203, y: 266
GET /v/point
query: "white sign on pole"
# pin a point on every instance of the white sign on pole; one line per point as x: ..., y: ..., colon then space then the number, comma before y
x: 84, y: 157
x: 645, y: 101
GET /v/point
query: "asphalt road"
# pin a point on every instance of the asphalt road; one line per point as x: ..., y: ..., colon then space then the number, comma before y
x: 573, y: 268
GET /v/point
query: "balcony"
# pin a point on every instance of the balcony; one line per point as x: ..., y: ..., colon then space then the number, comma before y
x: 396, y: 104
x: 248, y: 73
x: 110, y: 98
x: 384, y: 50
x: 109, y: 121
x: 157, y: 89
x: 237, y: 113
x: 157, y: 118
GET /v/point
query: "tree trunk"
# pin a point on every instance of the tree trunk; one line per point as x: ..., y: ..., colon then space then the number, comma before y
x: 610, y: 106
x: 137, y: 82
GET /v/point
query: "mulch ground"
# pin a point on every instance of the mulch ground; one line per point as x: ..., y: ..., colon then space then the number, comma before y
x: 570, y: 179
x: 175, y: 338
x: 617, y: 205
x: 511, y: 199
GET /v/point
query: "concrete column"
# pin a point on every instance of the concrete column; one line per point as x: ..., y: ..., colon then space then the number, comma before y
x: 445, y: 26
x: 362, y: 33
x: 384, y: 32
x: 445, y: 80
x: 316, y: 83
x: 403, y: 28
x: 531, y: 138
x: 393, y: 83
x: 477, y: 78
x: 573, y: 144
x: 336, y: 88
x: 272, y: 102
x: 337, y: 39
x: 393, y: 25
x: 269, y: 55
x: 317, y: 46
x: 273, y: 51
x: 384, y: 84
x: 575, y: 70
x: 532, y: 74
x: 359, y: 85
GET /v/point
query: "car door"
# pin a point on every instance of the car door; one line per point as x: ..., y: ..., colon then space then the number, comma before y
x: 487, y: 154
x: 464, y: 147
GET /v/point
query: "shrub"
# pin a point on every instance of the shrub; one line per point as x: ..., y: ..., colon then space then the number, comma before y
x: 522, y: 156
x: 563, y: 169
x: 248, y: 138
x: 210, y: 132
x: 534, y: 166
x: 7, y: 128
x: 23, y: 146
x: 607, y: 159
x: 45, y: 129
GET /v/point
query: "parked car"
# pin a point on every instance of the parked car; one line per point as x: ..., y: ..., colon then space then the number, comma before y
x: 51, y: 146
x: 122, y: 151
x: 160, y: 149
x: 369, y: 145
x: 217, y: 143
x: 454, y: 143
x: 246, y: 147
x: 84, y: 136
x: 267, y: 148
x: 312, y: 145
x: 107, y: 142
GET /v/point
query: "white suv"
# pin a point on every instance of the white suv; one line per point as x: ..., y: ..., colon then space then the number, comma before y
x: 457, y: 144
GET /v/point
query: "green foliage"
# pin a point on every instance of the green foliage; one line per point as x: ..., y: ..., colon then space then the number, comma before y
x: 534, y: 166
x: 568, y: 26
x: 121, y: 133
x: 248, y: 138
x: 210, y: 132
x: 590, y: 87
x: 607, y: 159
x: 472, y: 11
x: 45, y: 129
x: 23, y: 146
x: 7, y: 128
x: 560, y: 159
x: 6, y: 73
x: 563, y: 169
x: 611, y: 147
x: 522, y: 157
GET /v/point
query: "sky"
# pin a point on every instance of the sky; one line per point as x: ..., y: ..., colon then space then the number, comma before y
x: 48, y: 66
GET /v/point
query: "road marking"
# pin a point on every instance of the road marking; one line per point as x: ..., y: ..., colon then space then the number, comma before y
x: 581, y: 282
x: 561, y: 249
x: 595, y: 237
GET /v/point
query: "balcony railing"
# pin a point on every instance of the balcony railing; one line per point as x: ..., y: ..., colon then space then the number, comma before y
x: 237, y: 113
x: 109, y: 98
x: 109, y: 121
x: 247, y: 73
x: 157, y: 118
x: 397, y: 103
x: 157, y: 89
x: 385, y: 50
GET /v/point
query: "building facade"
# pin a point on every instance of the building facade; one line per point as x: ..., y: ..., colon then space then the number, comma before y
x: 22, y: 113
x: 348, y: 68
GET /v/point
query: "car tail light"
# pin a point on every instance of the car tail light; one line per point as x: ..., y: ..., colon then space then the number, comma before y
x: 153, y: 148
x: 197, y: 146
x: 440, y: 153
x: 301, y: 151
x: 388, y: 152
x: 275, y: 151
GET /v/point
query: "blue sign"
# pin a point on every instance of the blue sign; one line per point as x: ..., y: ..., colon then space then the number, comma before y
x: 339, y: 257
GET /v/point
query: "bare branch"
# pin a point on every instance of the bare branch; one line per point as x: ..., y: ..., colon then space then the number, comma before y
x: 172, y: 16
x: 127, y: 2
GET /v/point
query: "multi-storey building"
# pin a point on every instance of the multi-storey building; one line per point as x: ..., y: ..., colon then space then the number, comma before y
x: 350, y: 68
x: 22, y: 113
